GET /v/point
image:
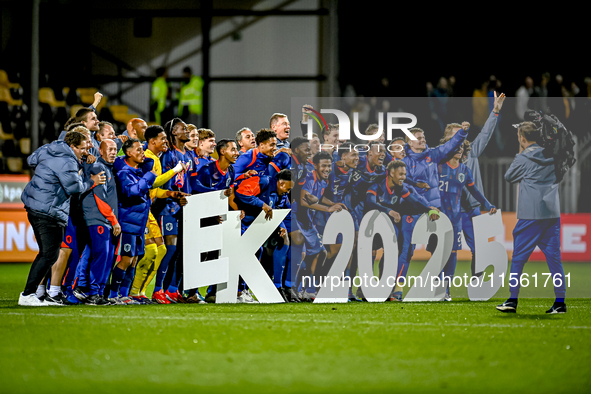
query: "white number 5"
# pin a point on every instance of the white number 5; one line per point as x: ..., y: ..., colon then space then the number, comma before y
x: 487, y: 254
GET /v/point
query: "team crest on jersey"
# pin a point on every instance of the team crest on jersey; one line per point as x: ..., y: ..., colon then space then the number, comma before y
x: 461, y: 177
x: 228, y: 181
x: 394, y: 199
x: 146, y: 231
x: 300, y: 174
x: 127, y: 247
x: 168, y: 226
x: 428, y: 159
x: 409, y: 219
x: 179, y: 180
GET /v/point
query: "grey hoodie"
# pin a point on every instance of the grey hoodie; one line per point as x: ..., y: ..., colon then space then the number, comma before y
x: 538, y: 190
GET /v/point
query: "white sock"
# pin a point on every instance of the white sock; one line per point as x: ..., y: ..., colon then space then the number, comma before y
x: 54, y: 290
x: 40, y: 291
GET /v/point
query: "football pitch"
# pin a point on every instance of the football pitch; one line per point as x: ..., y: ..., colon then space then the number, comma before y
x: 460, y: 346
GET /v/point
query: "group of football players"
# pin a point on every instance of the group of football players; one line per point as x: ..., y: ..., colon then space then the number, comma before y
x: 125, y: 230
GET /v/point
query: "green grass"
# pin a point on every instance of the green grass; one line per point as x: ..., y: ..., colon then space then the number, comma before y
x: 460, y: 346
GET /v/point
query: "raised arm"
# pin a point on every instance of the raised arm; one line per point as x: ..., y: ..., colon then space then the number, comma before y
x: 481, y: 140
x: 441, y: 153
x: 132, y: 188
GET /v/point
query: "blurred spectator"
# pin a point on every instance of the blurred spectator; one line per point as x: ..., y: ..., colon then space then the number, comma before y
x: 480, y: 105
x: 190, y: 98
x: 159, y: 94
x: 438, y: 100
x: 522, y: 96
x: 540, y: 95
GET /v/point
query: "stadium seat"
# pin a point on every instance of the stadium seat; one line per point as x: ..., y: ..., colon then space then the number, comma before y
x: 4, y: 81
x: 86, y: 95
x: 47, y: 96
x: 14, y: 164
x: 116, y: 109
x: 120, y: 113
x: 75, y: 109
x: 25, y: 145
x: 7, y: 97
x: 125, y: 118
x: 3, y: 135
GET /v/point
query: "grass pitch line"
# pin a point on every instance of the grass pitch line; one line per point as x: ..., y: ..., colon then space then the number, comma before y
x: 242, y: 319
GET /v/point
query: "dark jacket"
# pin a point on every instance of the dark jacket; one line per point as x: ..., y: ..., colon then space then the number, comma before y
x: 100, y: 206
x: 56, y: 178
x: 133, y: 193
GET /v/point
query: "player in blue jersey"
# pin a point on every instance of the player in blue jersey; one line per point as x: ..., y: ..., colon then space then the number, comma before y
x: 263, y: 193
x: 202, y: 154
x: 311, y: 199
x: 470, y: 206
x: 301, y: 151
x: 258, y: 159
x: 373, y: 129
x: 396, y: 148
x: 369, y: 171
x: 213, y: 176
x: 169, y: 211
x: 422, y: 163
x: 135, y: 176
x: 395, y: 198
x: 341, y: 181
x: 453, y: 177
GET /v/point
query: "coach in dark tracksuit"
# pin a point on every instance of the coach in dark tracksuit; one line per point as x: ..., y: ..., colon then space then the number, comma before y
x: 100, y: 214
x: 47, y: 201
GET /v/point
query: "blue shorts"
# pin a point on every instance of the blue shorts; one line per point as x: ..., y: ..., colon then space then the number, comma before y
x: 312, y: 240
x: 169, y: 225
x: 70, y: 236
x: 131, y: 245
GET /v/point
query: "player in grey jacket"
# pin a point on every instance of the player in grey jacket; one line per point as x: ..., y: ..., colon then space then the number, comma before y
x: 538, y: 214
x: 47, y: 201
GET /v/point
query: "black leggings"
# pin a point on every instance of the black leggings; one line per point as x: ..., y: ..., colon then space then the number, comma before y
x: 49, y: 234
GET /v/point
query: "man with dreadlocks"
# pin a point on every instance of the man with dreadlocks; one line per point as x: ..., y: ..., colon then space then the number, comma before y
x: 169, y: 213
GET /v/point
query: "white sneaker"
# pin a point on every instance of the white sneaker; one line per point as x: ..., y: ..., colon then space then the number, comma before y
x: 249, y: 297
x: 30, y: 300
x: 447, y: 297
x: 241, y: 299
x: 116, y: 301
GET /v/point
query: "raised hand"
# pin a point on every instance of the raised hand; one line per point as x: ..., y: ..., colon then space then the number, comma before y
x: 498, y: 102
